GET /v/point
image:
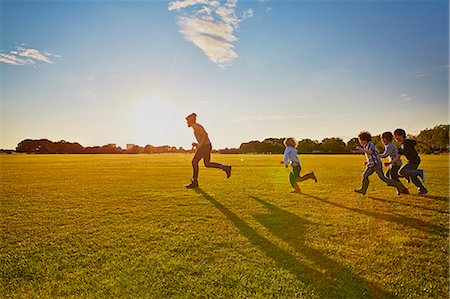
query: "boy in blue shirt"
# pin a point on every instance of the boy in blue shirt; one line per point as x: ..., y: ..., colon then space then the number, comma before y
x: 291, y: 156
x: 373, y: 164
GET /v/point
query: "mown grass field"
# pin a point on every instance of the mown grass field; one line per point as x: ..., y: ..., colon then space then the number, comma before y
x: 125, y: 226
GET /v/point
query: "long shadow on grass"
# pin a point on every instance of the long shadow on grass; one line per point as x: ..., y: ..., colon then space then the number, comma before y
x: 336, y: 280
x: 408, y: 205
x: 284, y: 259
x: 399, y: 219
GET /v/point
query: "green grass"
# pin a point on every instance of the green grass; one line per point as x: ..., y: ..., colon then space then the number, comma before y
x: 125, y: 226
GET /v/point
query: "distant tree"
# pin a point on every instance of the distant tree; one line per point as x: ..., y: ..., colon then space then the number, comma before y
x: 251, y: 147
x: 333, y: 145
x: 136, y: 150
x: 308, y: 146
x: 352, y: 143
x: 439, y: 136
x: 273, y: 145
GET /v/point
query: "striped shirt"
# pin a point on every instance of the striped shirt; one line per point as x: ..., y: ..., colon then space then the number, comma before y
x: 390, y: 152
x: 290, y: 154
x: 374, y: 158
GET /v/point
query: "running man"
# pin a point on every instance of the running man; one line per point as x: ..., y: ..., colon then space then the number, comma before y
x: 204, y: 147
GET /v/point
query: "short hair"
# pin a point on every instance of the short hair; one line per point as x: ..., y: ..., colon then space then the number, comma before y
x: 192, y: 115
x: 290, y: 141
x: 400, y: 132
x: 364, y: 135
x: 387, y: 135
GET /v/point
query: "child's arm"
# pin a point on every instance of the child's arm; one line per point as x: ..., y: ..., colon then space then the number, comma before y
x: 364, y: 150
x: 424, y: 142
x: 385, y: 154
x: 286, y: 158
x: 397, y: 158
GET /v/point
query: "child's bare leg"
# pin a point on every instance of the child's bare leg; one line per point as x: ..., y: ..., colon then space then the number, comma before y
x: 309, y: 175
x: 296, y: 188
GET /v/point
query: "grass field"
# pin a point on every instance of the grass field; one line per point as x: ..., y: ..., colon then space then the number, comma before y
x: 125, y: 226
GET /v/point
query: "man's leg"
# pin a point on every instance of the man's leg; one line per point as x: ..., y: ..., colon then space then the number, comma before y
x: 209, y: 164
x: 197, y: 157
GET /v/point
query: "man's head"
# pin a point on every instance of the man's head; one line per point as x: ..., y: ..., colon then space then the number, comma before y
x: 400, y: 135
x: 191, y: 119
x: 364, y: 137
x: 386, y: 137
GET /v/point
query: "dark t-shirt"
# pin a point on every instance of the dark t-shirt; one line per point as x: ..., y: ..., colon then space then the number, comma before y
x: 407, y: 149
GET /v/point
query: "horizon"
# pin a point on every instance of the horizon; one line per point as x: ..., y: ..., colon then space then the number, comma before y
x: 170, y: 145
x: 100, y: 72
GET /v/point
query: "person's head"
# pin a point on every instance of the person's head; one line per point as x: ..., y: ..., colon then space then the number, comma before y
x: 364, y: 137
x: 386, y: 137
x: 191, y: 119
x: 400, y: 135
x: 290, y: 141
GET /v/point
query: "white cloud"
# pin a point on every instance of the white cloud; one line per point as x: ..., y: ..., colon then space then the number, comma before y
x: 14, y: 60
x: 211, y: 26
x: 406, y: 97
x: 26, y: 56
x: 248, y: 13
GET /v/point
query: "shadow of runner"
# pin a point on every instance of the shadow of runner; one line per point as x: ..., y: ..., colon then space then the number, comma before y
x: 283, y: 258
x: 336, y: 280
x: 408, y: 205
x: 399, y: 219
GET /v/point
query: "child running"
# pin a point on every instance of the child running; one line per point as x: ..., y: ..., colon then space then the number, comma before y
x: 407, y: 148
x: 390, y: 152
x: 373, y: 164
x: 291, y: 157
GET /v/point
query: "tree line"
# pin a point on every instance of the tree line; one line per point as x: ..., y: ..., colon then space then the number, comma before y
x: 439, y: 136
x: 45, y: 146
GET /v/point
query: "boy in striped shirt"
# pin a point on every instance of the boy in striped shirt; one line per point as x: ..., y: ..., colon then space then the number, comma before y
x: 373, y: 164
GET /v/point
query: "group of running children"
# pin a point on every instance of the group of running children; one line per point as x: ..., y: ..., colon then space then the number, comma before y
x: 373, y: 162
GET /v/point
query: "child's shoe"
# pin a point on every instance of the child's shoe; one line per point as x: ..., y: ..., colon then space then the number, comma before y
x: 193, y: 184
x: 360, y: 191
x: 227, y: 170
x: 404, y: 191
x: 423, y: 192
x: 313, y: 176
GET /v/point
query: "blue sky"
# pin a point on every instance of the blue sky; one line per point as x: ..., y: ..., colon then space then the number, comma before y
x: 122, y: 72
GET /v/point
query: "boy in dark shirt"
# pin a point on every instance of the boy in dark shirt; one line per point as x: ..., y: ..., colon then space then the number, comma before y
x: 407, y: 148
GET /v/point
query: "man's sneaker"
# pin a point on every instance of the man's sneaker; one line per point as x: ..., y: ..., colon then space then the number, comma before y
x: 360, y: 191
x: 422, y: 175
x: 193, y: 184
x: 227, y: 170
x: 423, y: 192
x: 313, y: 176
x: 404, y: 191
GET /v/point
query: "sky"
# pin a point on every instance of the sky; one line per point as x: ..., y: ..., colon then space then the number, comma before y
x: 99, y: 72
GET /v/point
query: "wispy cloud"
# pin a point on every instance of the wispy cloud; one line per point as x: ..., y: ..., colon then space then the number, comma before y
x: 269, y: 118
x: 406, y: 97
x: 26, y: 56
x: 211, y: 25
